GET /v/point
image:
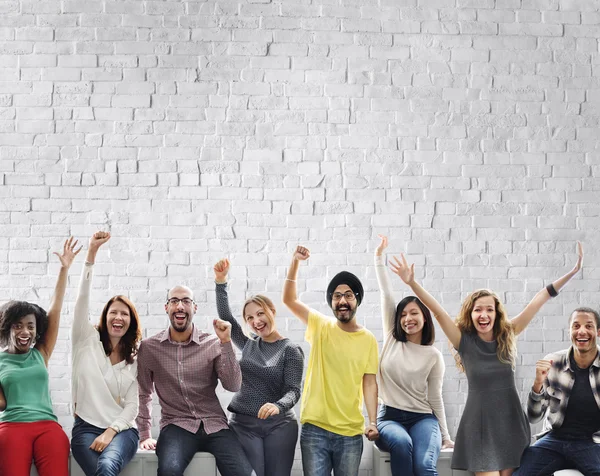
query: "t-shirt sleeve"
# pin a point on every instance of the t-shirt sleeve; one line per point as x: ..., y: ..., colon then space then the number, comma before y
x: 315, y: 322
x: 373, y: 362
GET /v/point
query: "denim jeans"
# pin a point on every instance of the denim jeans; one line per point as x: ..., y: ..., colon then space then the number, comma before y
x: 176, y: 447
x: 115, y: 456
x: 413, y: 440
x: 323, y: 451
x: 550, y: 454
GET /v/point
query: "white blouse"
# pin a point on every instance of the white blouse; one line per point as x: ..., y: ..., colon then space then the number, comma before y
x: 104, y: 395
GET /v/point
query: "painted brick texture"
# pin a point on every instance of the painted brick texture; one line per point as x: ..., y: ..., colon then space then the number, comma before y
x: 465, y: 130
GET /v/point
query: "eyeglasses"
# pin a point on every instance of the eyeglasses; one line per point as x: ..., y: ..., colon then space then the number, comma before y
x: 348, y: 295
x: 176, y: 301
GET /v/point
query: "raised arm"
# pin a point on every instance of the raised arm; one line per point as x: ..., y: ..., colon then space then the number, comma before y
x: 221, y: 270
x: 82, y: 327
x: 46, y: 346
x: 521, y: 321
x: 388, y: 308
x: 407, y: 274
x: 290, y: 293
x: 226, y: 365
x: 537, y: 402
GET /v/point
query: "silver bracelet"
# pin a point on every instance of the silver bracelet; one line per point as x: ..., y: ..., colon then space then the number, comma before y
x: 292, y: 280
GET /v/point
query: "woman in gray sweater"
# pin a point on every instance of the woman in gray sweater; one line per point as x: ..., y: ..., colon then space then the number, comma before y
x: 262, y: 414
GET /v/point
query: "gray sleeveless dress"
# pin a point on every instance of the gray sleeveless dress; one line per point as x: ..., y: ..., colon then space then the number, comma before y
x: 493, y: 430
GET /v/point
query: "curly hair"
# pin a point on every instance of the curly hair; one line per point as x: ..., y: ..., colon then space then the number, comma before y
x: 503, y: 329
x: 128, y: 345
x: 14, y: 311
x: 428, y: 335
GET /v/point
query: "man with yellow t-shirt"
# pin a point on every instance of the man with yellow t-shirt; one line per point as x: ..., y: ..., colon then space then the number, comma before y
x: 342, y: 366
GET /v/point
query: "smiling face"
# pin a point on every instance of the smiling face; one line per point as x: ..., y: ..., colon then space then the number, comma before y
x: 181, y: 308
x: 344, y: 309
x: 22, y: 335
x: 412, y: 319
x: 584, y: 332
x: 118, y: 319
x: 258, y: 319
x: 484, y: 316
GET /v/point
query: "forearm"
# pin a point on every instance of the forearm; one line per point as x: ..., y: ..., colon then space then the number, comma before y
x: 228, y: 369
x: 563, y: 280
x: 59, y: 294
x: 224, y: 312
x: 130, y: 409
x: 388, y: 309
x: 370, y: 394
x: 290, y: 292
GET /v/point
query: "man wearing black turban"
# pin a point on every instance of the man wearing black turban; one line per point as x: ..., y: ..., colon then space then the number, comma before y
x: 341, y: 368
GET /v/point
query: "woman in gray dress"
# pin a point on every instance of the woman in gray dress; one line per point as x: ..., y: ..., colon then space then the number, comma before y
x: 493, y: 430
x: 262, y: 412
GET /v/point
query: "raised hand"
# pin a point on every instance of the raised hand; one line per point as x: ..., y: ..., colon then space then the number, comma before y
x: 98, y: 239
x: 223, y: 330
x: 301, y: 253
x: 382, y: 246
x: 542, y: 367
x: 221, y: 269
x: 402, y: 269
x: 579, y: 263
x: 69, y: 252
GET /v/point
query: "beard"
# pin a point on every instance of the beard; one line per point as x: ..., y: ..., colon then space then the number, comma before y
x: 346, y: 314
x: 177, y: 327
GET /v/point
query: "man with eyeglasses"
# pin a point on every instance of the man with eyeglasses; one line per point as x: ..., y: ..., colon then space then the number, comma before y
x: 183, y: 364
x: 342, y: 367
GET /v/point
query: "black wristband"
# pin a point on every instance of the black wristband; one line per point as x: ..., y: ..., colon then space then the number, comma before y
x: 551, y: 290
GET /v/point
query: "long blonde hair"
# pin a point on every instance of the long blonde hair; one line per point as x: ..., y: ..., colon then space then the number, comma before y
x: 503, y: 329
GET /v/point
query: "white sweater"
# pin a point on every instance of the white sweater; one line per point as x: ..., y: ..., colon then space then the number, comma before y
x: 97, y: 384
x: 410, y: 375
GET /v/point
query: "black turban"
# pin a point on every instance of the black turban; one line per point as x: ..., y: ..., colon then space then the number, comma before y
x: 345, y: 278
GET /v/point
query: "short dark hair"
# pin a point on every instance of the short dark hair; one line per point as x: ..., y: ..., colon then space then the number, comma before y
x: 428, y: 335
x: 589, y: 310
x: 14, y: 311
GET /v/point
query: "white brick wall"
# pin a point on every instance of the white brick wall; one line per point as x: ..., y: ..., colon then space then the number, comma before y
x: 465, y: 130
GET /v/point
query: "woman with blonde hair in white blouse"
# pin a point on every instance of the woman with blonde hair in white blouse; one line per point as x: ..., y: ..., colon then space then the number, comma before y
x: 105, y: 388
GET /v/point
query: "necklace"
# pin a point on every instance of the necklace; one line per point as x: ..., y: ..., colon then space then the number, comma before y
x: 119, y: 382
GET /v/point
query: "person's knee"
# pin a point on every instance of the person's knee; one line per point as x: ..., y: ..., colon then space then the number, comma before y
x: 110, y: 466
x: 170, y: 468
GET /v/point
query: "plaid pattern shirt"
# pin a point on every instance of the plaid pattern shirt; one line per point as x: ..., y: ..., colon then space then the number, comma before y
x: 185, y: 375
x: 556, y: 390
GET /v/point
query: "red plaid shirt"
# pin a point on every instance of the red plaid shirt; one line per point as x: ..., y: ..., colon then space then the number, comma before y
x: 185, y: 377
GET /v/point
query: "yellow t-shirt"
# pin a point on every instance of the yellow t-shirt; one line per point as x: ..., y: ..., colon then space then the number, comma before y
x: 333, y: 396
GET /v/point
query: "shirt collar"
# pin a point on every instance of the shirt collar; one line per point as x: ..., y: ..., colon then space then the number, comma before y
x: 195, y: 337
x: 567, y: 366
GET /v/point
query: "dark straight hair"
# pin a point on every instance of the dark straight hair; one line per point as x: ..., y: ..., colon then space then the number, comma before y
x: 428, y: 335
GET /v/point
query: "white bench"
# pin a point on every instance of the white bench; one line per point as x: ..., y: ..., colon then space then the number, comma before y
x: 145, y: 463
x: 381, y: 465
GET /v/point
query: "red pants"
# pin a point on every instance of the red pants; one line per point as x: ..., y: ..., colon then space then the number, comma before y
x: 43, y: 441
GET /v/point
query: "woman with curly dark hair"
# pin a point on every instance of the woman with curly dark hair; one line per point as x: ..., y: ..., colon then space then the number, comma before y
x: 28, y: 427
x: 105, y: 390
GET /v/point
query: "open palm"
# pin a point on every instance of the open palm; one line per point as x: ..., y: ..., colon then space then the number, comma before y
x: 403, y: 269
x: 69, y: 252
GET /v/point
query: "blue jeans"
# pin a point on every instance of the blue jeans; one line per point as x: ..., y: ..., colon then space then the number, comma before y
x: 413, y: 440
x: 176, y: 447
x: 323, y: 451
x: 550, y: 454
x: 115, y: 456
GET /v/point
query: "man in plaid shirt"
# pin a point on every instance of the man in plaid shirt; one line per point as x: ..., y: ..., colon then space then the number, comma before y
x: 567, y: 390
x: 183, y: 364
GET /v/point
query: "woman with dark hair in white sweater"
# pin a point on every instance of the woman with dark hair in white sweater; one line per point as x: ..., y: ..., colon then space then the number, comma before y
x: 411, y: 422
